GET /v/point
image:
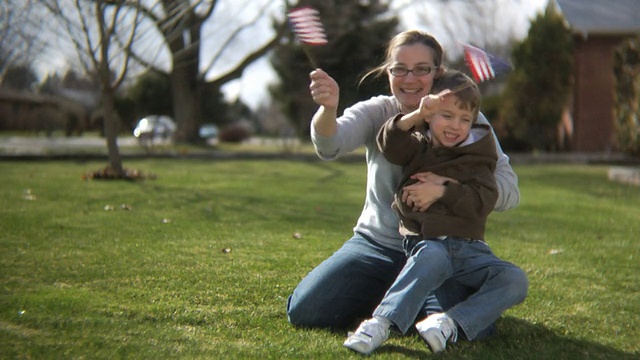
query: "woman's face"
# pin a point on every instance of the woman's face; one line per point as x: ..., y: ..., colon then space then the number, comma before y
x: 410, y: 88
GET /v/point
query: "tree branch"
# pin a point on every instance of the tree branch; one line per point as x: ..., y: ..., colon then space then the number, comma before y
x: 237, y: 71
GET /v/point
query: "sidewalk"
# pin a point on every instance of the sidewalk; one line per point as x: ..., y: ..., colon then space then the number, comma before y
x: 33, y: 146
x: 17, y: 148
x: 61, y: 148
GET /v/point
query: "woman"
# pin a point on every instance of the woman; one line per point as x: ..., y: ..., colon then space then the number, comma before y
x: 347, y: 286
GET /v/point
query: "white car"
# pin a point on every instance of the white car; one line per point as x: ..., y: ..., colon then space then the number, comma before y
x: 154, y: 128
x: 209, y: 133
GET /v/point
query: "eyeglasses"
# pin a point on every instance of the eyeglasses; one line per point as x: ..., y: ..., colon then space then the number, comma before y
x: 417, y: 71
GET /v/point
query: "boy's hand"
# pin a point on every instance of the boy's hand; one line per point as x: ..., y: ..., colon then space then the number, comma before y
x: 430, y: 104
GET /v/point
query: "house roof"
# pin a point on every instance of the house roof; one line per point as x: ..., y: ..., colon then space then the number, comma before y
x: 603, y: 17
x: 21, y: 96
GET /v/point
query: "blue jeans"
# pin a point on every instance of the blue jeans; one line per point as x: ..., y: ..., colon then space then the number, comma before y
x: 347, y: 287
x: 473, y: 286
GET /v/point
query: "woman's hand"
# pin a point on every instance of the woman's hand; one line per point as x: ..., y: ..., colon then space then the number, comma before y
x: 429, y: 188
x: 324, y: 89
x: 430, y: 177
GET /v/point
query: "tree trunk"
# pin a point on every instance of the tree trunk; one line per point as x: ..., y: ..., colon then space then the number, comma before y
x: 186, y: 104
x: 185, y: 83
x: 111, y: 132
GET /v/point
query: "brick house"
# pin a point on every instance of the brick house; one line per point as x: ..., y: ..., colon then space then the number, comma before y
x: 26, y: 111
x: 19, y: 110
x: 598, y: 27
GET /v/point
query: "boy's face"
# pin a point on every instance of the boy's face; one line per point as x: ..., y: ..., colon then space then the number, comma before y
x: 450, y: 124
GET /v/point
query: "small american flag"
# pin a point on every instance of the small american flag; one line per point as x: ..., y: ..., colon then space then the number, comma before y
x: 483, y: 65
x: 307, y: 26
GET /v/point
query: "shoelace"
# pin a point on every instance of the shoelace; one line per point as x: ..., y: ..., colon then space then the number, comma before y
x: 370, y: 329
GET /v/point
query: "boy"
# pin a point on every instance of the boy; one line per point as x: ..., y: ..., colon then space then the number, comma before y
x: 445, y: 247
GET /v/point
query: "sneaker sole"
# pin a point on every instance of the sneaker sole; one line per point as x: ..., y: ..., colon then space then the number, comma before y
x: 358, y: 347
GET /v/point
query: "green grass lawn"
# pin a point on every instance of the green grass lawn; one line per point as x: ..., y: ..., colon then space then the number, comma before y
x: 198, y: 263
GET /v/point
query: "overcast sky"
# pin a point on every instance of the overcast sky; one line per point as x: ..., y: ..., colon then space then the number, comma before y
x: 252, y: 87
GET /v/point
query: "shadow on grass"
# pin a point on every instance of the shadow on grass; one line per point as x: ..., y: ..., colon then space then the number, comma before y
x: 332, y: 173
x: 519, y: 339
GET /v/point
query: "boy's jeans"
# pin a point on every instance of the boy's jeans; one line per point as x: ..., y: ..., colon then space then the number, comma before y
x: 473, y: 286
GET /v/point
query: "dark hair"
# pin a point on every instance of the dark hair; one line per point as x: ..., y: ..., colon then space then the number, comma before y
x: 468, y: 97
x: 409, y: 37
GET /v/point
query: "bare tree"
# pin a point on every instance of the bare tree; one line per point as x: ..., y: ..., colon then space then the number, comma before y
x: 19, y: 44
x: 102, y: 33
x: 181, y: 24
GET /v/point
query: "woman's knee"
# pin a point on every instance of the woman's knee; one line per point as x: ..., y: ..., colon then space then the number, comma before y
x: 300, y: 313
x: 311, y: 314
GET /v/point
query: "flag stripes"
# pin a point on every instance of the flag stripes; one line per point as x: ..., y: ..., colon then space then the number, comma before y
x: 307, y: 26
x: 483, y: 66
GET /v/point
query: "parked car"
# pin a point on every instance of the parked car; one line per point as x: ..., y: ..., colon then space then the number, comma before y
x: 209, y: 133
x: 154, y: 128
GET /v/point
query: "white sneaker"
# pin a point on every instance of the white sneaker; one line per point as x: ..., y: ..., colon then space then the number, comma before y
x: 436, y: 330
x: 369, y: 335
